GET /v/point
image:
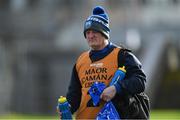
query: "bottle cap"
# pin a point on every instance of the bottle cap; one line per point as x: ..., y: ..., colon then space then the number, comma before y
x: 62, y: 99
x: 122, y: 69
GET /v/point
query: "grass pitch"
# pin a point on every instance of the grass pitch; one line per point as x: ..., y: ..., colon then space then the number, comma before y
x: 155, y: 115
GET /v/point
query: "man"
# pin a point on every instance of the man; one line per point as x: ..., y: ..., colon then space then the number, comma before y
x: 99, y: 64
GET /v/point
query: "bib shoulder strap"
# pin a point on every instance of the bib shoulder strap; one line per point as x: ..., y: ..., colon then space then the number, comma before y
x: 122, y: 56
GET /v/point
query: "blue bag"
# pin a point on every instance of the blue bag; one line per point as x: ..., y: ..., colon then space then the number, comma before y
x: 108, y: 112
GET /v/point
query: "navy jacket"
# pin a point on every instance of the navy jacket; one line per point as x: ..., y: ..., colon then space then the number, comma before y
x: 133, y: 83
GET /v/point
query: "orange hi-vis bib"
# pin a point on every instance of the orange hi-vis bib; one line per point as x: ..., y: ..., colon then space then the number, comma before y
x: 88, y: 73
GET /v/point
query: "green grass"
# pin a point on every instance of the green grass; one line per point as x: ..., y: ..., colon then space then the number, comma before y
x: 165, y: 114
x: 155, y: 115
x: 27, y: 117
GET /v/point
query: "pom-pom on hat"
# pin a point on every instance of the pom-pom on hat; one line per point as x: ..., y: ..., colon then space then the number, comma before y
x: 98, y: 21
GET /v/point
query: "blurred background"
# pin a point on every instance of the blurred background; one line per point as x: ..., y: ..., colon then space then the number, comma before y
x: 40, y: 41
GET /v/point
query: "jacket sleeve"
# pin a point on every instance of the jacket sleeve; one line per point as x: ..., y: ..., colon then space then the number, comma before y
x: 74, y: 91
x: 134, y: 81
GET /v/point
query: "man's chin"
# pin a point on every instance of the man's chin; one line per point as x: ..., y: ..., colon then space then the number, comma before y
x: 94, y: 47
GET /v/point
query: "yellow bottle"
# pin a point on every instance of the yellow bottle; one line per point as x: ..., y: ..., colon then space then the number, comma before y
x: 64, y: 108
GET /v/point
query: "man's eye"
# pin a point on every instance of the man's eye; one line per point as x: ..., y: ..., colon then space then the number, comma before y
x: 87, y: 32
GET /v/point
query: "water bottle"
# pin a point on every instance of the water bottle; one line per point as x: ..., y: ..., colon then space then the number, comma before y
x: 64, y: 108
x: 119, y: 75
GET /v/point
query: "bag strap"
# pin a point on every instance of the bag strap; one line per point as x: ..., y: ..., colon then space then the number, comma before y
x: 122, y: 56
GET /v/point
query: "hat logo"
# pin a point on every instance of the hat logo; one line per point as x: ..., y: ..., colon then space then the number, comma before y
x: 88, y: 24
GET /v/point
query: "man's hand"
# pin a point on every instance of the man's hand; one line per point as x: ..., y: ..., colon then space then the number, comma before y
x: 108, y: 93
x: 59, y: 113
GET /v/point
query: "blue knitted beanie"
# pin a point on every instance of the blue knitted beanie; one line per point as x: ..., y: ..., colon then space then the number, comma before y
x: 99, y: 21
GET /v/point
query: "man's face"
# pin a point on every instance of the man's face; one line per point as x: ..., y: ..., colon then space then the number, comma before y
x: 95, y: 39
